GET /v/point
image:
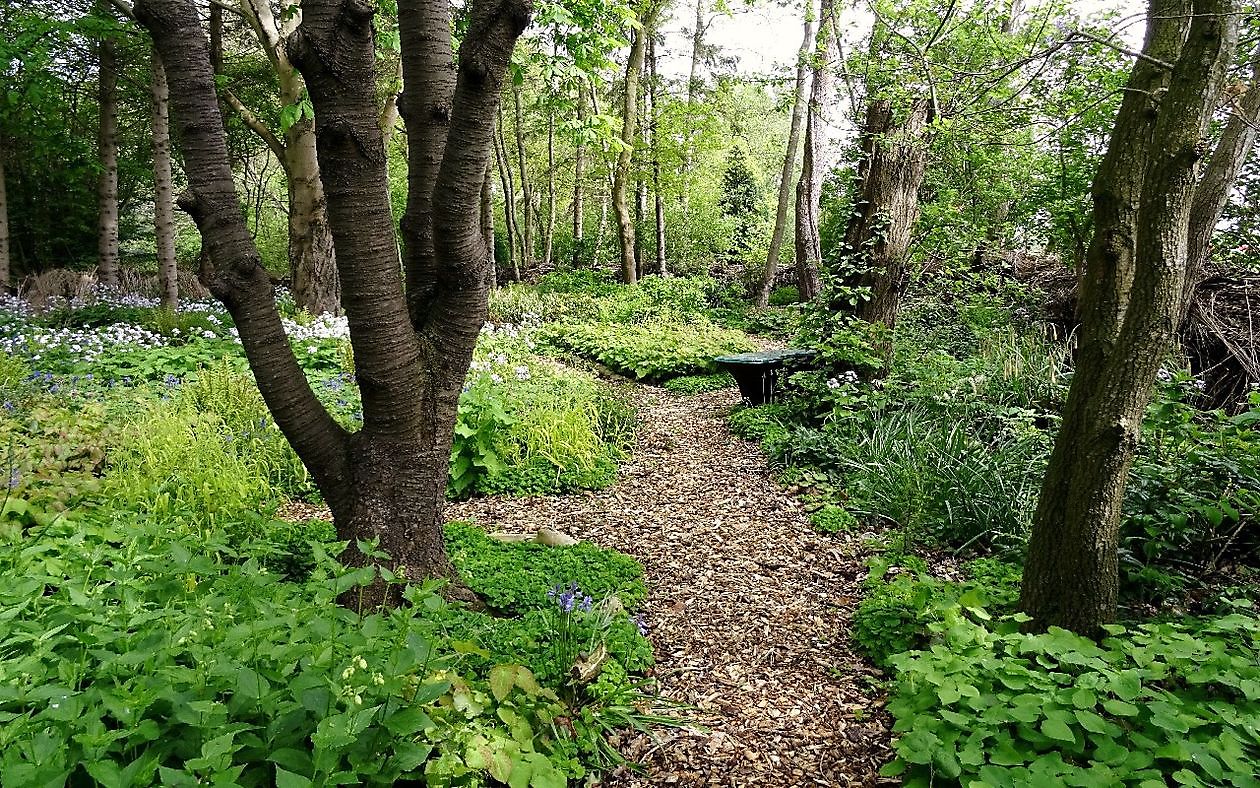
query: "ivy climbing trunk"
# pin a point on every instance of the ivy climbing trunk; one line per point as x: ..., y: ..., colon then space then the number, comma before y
x: 1130, y: 296
x: 809, y: 188
x: 163, y: 188
x: 799, y: 103
x: 386, y: 482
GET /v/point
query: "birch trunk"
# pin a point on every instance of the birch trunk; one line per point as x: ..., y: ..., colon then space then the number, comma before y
x: 163, y: 188
x: 107, y: 182
x: 809, y: 189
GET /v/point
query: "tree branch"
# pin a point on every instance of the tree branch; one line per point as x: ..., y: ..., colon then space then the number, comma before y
x: 255, y: 125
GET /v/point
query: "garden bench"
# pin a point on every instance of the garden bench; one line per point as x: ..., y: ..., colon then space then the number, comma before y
x: 758, y: 373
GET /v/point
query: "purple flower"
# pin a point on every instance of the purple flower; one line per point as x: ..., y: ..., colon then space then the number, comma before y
x: 639, y: 623
x: 15, y: 478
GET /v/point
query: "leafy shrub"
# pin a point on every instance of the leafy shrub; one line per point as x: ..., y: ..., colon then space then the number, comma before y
x: 989, y: 705
x: 699, y: 384
x: 655, y: 351
x: 832, y: 519
x: 783, y: 296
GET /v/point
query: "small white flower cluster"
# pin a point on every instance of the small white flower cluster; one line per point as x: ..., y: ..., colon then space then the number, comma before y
x: 87, y: 344
x: 326, y: 326
x: 847, y: 379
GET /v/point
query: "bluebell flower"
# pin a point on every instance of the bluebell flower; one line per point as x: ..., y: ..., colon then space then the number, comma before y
x: 15, y: 478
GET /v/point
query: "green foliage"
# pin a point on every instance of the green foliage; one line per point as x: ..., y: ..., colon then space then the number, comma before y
x: 832, y: 519
x: 515, y: 577
x: 989, y: 705
x: 699, y: 384
x: 785, y: 296
x: 655, y: 351
x: 474, y: 453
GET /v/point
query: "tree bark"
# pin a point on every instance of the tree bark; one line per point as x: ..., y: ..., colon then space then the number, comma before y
x: 647, y: 11
x: 387, y: 482
x: 163, y: 188
x: 809, y: 188
x: 549, y: 235
x: 1131, y: 289
x: 694, y: 85
x: 107, y: 182
x: 527, y: 191
x: 487, y: 226
x: 509, y: 203
x: 799, y: 103
x: 878, y: 234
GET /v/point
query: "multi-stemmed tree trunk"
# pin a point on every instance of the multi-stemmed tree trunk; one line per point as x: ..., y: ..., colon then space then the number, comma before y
x: 768, y: 273
x: 163, y: 188
x: 312, y: 264
x: 387, y: 481
x: 107, y: 151
x: 647, y: 11
x: 894, y: 157
x: 1130, y: 297
x: 809, y: 188
x: 4, y: 224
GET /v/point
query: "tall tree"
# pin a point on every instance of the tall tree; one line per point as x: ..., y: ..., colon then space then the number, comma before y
x: 4, y: 222
x: 107, y: 151
x: 527, y: 189
x: 647, y: 12
x: 163, y: 188
x: 654, y: 145
x: 579, y: 178
x: 813, y: 162
x: 388, y: 480
x: 1130, y: 296
x: 762, y: 296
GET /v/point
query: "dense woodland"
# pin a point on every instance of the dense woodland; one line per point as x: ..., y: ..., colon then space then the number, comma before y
x: 362, y: 422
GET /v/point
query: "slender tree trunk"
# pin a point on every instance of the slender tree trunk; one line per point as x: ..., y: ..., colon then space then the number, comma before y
x: 579, y: 185
x: 4, y: 225
x: 1130, y: 292
x: 654, y: 146
x: 878, y: 234
x: 799, y: 103
x: 1231, y: 154
x: 694, y: 85
x: 809, y: 189
x: 549, y: 237
x: 629, y: 136
x: 487, y: 226
x: 312, y: 260
x: 163, y: 189
x: 527, y: 191
x: 515, y: 244
x: 107, y: 183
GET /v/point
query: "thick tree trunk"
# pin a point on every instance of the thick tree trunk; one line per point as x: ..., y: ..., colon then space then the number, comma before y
x: 5, y: 271
x: 387, y: 482
x: 878, y: 234
x: 809, y: 189
x: 629, y: 137
x: 107, y: 182
x: 527, y: 191
x: 163, y: 188
x: 1131, y: 290
x: 579, y: 185
x: 799, y: 104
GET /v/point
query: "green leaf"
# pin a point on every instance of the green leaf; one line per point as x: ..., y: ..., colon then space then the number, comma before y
x: 1058, y: 730
x: 287, y: 779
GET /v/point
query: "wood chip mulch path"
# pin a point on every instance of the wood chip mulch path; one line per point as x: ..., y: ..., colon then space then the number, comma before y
x: 748, y: 608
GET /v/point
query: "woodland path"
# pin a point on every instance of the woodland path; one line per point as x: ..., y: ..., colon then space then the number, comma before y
x: 748, y: 608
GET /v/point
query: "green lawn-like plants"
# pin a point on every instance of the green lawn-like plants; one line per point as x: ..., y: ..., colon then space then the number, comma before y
x: 652, y: 351
x: 990, y: 705
x: 691, y: 385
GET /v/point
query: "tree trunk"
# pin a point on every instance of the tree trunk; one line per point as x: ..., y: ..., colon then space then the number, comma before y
x: 527, y: 191
x: 386, y: 483
x: 654, y: 146
x: 629, y: 136
x: 1231, y: 154
x: 878, y: 234
x: 509, y: 203
x: 5, y: 272
x: 487, y: 226
x: 312, y: 261
x: 579, y: 187
x: 107, y: 183
x: 693, y: 91
x: 789, y: 161
x: 809, y: 189
x: 163, y: 189
x: 549, y: 236
x: 1131, y: 292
